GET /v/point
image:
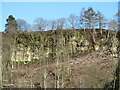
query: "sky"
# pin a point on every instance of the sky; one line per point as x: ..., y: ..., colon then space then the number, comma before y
x: 29, y: 11
x: 59, y: 0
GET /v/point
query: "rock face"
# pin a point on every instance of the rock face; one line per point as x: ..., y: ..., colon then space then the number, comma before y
x: 59, y: 51
x: 35, y: 46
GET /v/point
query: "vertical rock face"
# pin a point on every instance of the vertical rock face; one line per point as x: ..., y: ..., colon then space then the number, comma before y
x: 35, y: 46
x: 21, y: 54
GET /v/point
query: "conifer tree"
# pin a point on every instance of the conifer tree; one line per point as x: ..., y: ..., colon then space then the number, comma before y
x: 11, y: 26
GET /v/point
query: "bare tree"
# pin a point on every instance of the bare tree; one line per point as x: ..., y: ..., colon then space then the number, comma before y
x: 73, y: 21
x: 22, y: 25
x: 102, y: 22
x: 53, y: 24
x: 40, y: 24
x: 113, y: 25
x: 61, y: 23
x: 82, y: 19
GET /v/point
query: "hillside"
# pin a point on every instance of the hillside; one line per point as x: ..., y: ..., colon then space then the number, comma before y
x: 60, y: 58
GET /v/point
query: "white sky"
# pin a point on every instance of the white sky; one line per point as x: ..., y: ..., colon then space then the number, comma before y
x: 60, y: 0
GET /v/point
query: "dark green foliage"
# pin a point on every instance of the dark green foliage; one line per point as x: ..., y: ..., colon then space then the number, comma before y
x: 11, y: 26
x: 10, y: 18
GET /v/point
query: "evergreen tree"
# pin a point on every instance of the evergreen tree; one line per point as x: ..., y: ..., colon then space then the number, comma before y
x: 11, y: 26
x: 89, y: 17
x: 102, y: 22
